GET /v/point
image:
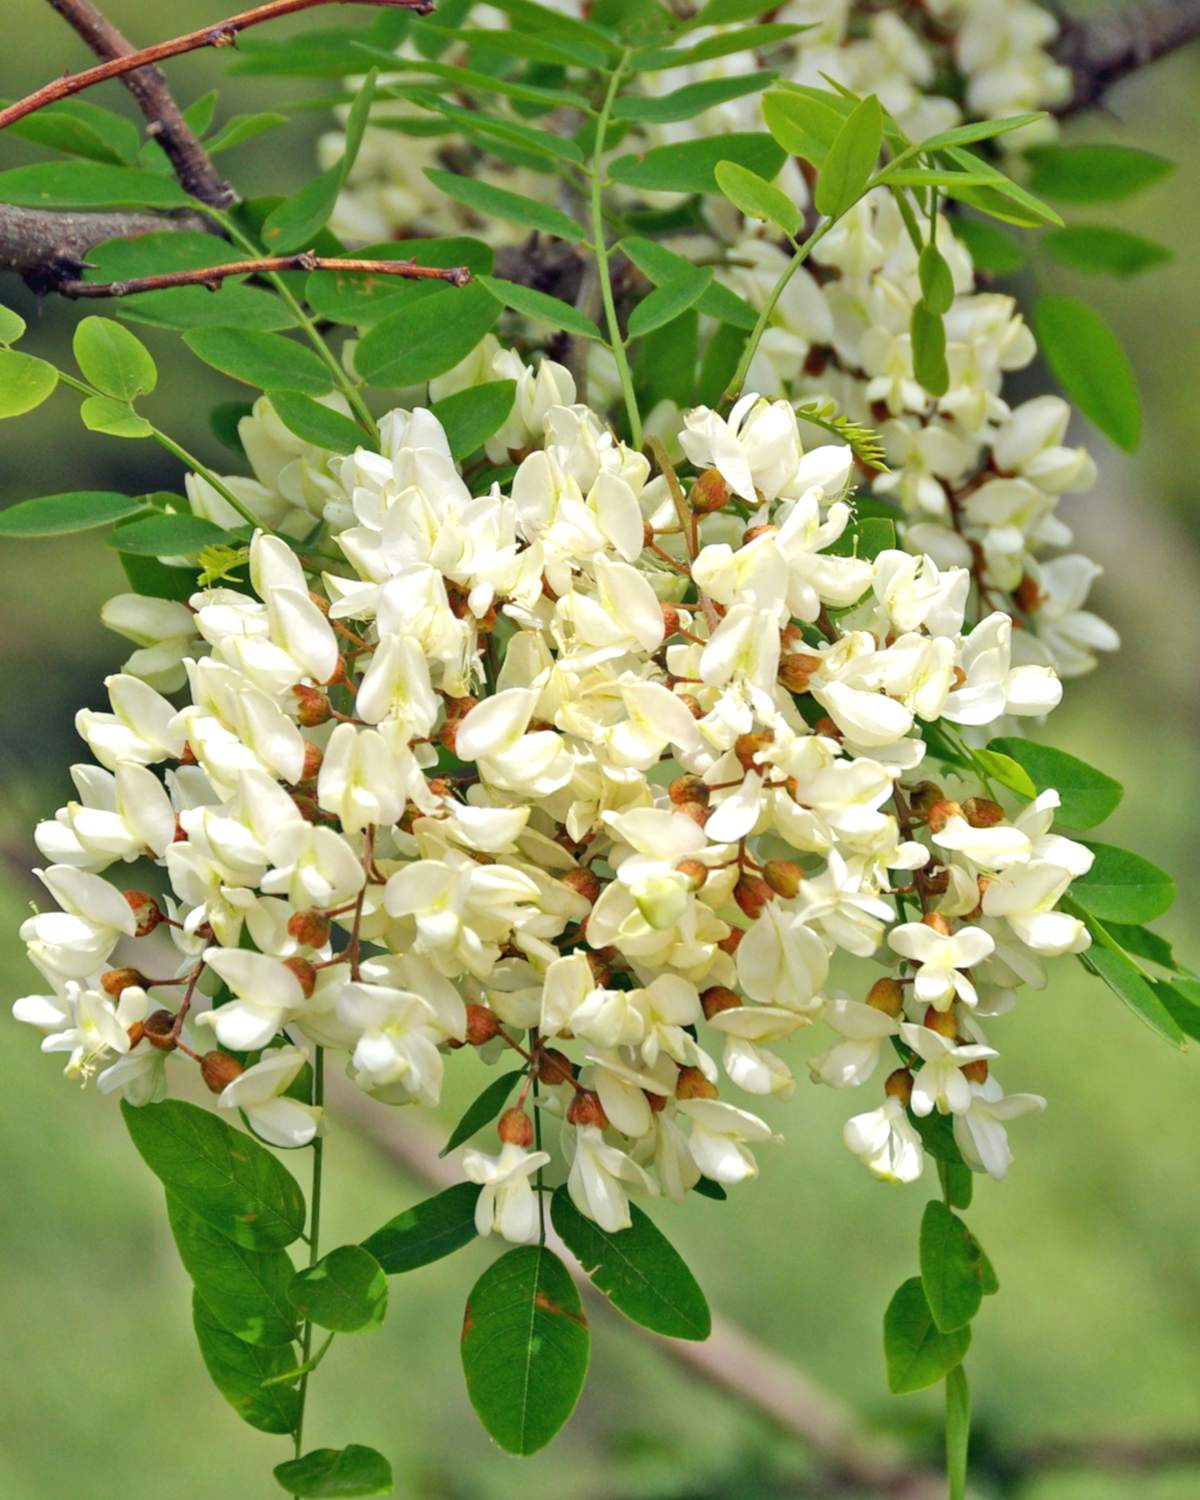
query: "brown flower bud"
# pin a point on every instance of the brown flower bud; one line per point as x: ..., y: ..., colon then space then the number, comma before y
x: 886, y: 995
x: 752, y: 894
x: 729, y: 943
x: 709, y: 493
x: 982, y: 812
x: 158, y: 1028
x: 585, y: 1109
x: 554, y: 1067
x: 687, y: 789
x: 311, y: 928
x: 899, y: 1085
x: 584, y: 883
x: 146, y: 909
x: 218, y: 1069
x: 977, y: 1071
x: 515, y: 1128
x: 936, y: 880
x: 304, y: 972
x: 448, y: 735
x: 827, y: 729
x: 482, y: 1025
x: 692, y: 1084
x: 719, y: 997
x: 923, y: 796
x: 1028, y: 596
x: 696, y: 872
x: 938, y: 922
x: 670, y: 620
x: 940, y: 814
x: 752, y: 533
x: 783, y: 876
x: 313, y: 706
x: 135, y: 1033
x: 459, y: 708
x: 747, y: 746
x: 115, y: 982
x: 796, y: 669
x: 941, y: 1021
x: 694, y: 810
x: 602, y: 961
x: 657, y: 1102
x: 313, y: 756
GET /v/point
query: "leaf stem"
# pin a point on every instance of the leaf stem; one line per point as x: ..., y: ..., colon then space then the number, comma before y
x: 314, y: 1239
x: 600, y: 245
x: 209, y: 477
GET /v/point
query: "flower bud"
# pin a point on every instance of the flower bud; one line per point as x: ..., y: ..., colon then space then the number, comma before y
x: 515, y: 1128
x: 783, y: 876
x: 694, y: 810
x: 977, y: 1071
x: 696, y: 873
x: 219, y: 1069
x: 602, y: 961
x: 923, y: 796
x: 941, y: 1021
x: 752, y: 533
x: 670, y: 620
x: 657, y: 1102
x: 554, y: 1067
x: 482, y: 1025
x: 115, y: 982
x: 448, y: 735
x: 584, y: 883
x: 937, y: 922
x: 687, y: 789
x: 709, y: 493
x: 886, y: 995
x: 936, y: 881
x: 747, y: 746
x: 827, y: 729
x: 796, y: 669
x: 187, y: 756
x: 752, y: 894
x: 940, y: 813
x: 313, y: 706
x: 159, y: 1027
x: 313, y: 756
x: 982, y: 812
x: 304, y: 972
x: 147, y: 911
x: 310, y: 928
x: 135, y: 1033
x: 1028, y: 596
x: 899, y: 1085
x: 719, y: 997
x: 459, y: 708
x: 729, y: 943
x: 585, y: 1109
x: 692, y: 1084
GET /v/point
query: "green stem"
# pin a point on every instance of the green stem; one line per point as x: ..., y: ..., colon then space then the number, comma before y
x: 616, y: 342
x: 311, y: 332
x: 209, y: 477
x: 314, y: 1237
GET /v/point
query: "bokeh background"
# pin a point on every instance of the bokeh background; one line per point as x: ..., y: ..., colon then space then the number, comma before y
x: 1094, y: 1235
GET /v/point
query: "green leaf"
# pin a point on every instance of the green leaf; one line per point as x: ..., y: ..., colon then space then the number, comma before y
x: 1002, y: 198
x: 266, y: 360
x: 329, y: 1472
x: 114, y: 360
x: 691, y: 100
x: 179, y: 535
x: 81, y: 128
x: 659, y: 265
x: 724, y: 12
x: 991, y: 249
x: 25, y: 382
x: 1146, y: 944
x: 56, y: 515
x: 707, y: 1188
x: 345, y: 1291
x: 958, y: 1432
x: 546, y: 309
x: 361, y: 298
x: 1101, y: 250
x: 667, y: 301
x: 240, y: 1371
x: 500, y: 203
x: 470, y: 417
x: 482, y: 1110
x: 977, y: 130
x: 1109, y: 962
x: 427, y: 1231
x: 113, y: 418
x: 218, y: 1172
x: 239, y: 129
x: 1084, y: 353
x: 1181, y: 1000
x: 722, y: 44
x: 86, y: 184
x: 928, y: 334
x: 317, y: 424
x: 865, y: 537
x: 954, y: 1268
x: 1123, y: 887
x: 637, y: 1269
x: 245, y: 1290
x: 937, y: 281
x: 664, y: 366
x: 1094, y: 173
x: 756, y: 198
x: 1088, y: 796
x: 525, y: 45
x: 851, y: 160
x: 293, y: 223
x: 937, y: 1137
x: 426, y: 338
x: 525, y: 1348
x: 12, y: 325
x: 804, y: 121
x: 690, y: 166
x: 916, y: 1351
x: 225, y: 418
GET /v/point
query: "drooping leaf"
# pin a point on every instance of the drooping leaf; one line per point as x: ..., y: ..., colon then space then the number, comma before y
x: 1123, y: 887
x: 851, y: 159
x: 427, y: 1231
x: 1094, y: 173
x: 88, y: 184
x: 954, y: 1268
x: 937, y: 281
x: 1181, y: 1000
x: 178, y: 535
x: 240, y: 1371
x: 667, y: 301
x: 56, y: 515
x: 1143, y: 943
x: 115, y: 361
x: 266, y: 360
x: 916, y: 1351
x: 470, y: 417
x: 928, y: 334
x: 1094, y: 370
x: 543, y: 308
x: 690, y: 166
x: 1088, y: 796
x: 219, y: 1173
x: 501, y: 203
x: 1109, y: 962
x: 525, y: 1348
x: 245, y: 1290
x: 336, y: 1472
x: 317, y: 424
x: 345, y: 1291
x: 756, y: 198
x: 483, y: 1109
x: 426, y: 338
x: 638, y: 1269
x: 25, y: 382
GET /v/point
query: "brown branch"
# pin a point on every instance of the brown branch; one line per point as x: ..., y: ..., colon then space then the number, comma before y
x: 165, y: 123
x: 219, y: 34
x: 212, y: 276
x: 1103, y: 50
x: 47, y: 248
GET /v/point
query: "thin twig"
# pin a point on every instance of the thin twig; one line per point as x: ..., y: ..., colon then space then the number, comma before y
x: 1102, y: 50
x: 212, y: 276
x: 164, y: 119
x: 219, y: 34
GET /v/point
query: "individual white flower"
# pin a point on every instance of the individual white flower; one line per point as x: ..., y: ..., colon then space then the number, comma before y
x: 596, y: 1181
x: 979, y: 1128
x: 266, y: 996
x: 941, y: 960
x: 261, y: 1093
x: 940, y: 1083
x: 719, y: 1136
x: 863, y: 1030
x: 886, y: 1141
x: 507, y: 1202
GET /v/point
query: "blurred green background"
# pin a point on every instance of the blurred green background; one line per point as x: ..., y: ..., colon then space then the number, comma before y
x: 1094, y: 1234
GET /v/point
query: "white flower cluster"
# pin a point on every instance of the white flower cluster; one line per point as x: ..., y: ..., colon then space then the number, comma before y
x: 605, y: 770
